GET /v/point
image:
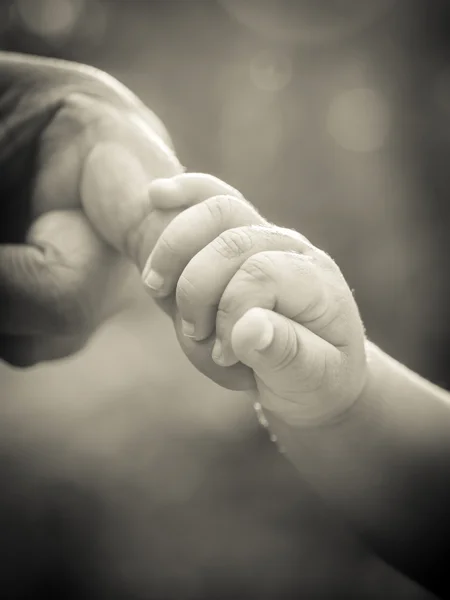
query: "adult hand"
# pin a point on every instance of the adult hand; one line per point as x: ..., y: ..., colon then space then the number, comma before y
x: 65, y: 242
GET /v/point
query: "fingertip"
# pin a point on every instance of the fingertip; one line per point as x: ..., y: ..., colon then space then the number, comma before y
x: 185, y: 189
x: 222, y: 355
x: 253, y: 332
x: 265, y: 335
x: 153, y: 281
x: 166, y: 193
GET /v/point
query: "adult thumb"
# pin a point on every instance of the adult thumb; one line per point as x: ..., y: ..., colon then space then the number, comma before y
x: 294, y: 368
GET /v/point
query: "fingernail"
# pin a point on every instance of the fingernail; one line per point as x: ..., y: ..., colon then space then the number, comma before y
x: 217, y: 353
x: 188, y: 329
x: 265, y: 336
x: 154, y: 280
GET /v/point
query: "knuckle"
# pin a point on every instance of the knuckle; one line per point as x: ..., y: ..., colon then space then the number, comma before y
x: 325, y: 260
x: 337, y: 326
x: 297, y: 240
x: 258, y: 267
x: 231, y: 210
x: 233, y: 242
x: 219, y: 208
x: 301, y: 264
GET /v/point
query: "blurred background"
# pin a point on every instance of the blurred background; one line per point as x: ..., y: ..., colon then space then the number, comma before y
x: 124, y: 473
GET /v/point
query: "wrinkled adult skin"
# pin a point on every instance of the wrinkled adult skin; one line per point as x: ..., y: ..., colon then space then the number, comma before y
x: 58, y: 279
x: 78, y: 152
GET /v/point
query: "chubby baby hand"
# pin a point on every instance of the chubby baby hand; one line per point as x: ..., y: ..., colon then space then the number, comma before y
x: 256, y: 306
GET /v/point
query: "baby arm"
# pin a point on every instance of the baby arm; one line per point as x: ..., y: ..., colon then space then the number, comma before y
x: 384, y: 464
x: 277, y: 316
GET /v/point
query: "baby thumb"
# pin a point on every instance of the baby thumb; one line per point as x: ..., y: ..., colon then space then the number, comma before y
x: 291, y: 366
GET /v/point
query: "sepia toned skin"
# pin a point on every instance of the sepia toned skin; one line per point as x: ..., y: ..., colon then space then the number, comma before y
x: 58, y: 279
x: 367, y: 434
x: 99, y: 197
x: 77, y: 153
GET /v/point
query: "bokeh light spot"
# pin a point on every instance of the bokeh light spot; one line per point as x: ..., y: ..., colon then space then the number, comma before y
x: 358, y: 120
x: 50, y: 18
x: 308, y: 22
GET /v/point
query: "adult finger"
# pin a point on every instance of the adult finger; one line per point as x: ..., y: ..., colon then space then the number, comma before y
x: 187, y: 189
x: 53, y: 282
x: 119, y: 163
x: 102, y: 159
x: 28, y: 350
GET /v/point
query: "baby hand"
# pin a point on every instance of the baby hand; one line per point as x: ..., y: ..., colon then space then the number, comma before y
x: 257, y: 306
